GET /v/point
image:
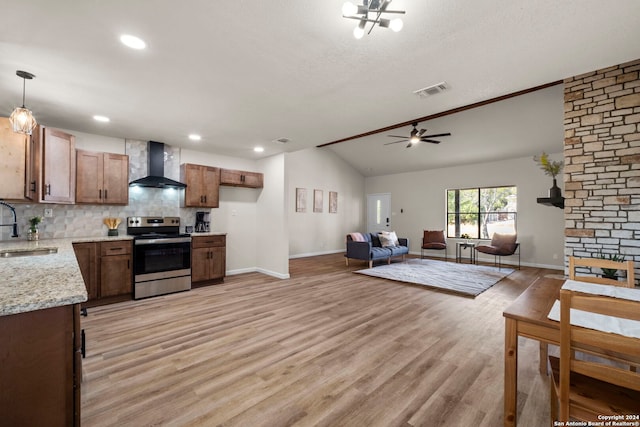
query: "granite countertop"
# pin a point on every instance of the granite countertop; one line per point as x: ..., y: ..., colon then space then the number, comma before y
x: 36, y: 282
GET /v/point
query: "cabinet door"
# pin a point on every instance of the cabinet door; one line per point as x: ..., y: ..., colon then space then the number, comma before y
x: 218, y: 262
x: 116, y: 179
x: 37, y: 369
x: 211, y: 187
x: 200, y: 261
x: 192, y: 176
x: 13, y: 162
x: 252, y: 180
x: 89, y: 175
x: 58, y: 166
x: 115, y: 275
x: 86, y: 254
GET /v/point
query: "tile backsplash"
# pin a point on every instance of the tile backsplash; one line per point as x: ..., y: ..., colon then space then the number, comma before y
x: 86, y: 220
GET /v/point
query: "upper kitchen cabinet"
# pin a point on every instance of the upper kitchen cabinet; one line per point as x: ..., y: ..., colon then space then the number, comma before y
x: 102, y: 178
x: 57, y: 165
x: 17, y: 164
x: 237, y: 178
x: 203, y: 185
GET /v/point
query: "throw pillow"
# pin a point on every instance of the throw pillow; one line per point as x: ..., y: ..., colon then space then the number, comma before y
x: 388, y: 239
x: 357, y: 237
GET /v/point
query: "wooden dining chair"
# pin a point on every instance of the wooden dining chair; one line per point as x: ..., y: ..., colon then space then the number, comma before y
x: 626, y: 266
x: 584, y: 389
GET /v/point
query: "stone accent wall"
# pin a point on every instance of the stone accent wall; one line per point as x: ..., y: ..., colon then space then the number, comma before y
x: 602, y: 162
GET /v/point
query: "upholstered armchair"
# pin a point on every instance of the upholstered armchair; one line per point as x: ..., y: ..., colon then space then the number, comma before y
x: 501, y: 245
x: 433, y: 239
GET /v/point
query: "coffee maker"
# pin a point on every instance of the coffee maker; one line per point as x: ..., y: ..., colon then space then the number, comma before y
x: 202, y: 222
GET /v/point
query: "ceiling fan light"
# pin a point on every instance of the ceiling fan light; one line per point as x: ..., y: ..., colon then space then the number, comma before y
x: 22, y: 121
x: 396, y: 24
x: 414, y: 139
x: 358, y: 32
x: 349, y: 9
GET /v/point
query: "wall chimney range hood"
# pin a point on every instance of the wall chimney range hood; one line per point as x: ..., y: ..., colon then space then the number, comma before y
x: 156, y: 178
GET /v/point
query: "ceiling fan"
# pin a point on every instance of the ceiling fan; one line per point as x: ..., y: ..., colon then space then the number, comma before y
x: 417, y: 136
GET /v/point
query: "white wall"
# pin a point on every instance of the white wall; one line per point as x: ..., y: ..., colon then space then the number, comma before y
x: 422, y: 197
x: 312, y: 233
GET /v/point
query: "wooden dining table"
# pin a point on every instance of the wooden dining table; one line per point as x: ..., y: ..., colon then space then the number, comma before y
x: 527, y: 317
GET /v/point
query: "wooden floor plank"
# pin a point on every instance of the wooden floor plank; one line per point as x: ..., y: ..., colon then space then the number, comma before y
x: 324, y: 348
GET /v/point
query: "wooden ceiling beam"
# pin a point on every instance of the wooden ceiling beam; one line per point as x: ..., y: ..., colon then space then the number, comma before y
x: 444, y: 113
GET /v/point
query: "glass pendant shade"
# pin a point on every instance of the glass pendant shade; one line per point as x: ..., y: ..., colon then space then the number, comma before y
x: 22, y: 120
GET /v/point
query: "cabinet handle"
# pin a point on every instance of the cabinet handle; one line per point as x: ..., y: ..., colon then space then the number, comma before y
x: 105, y: 194
x: 201, y: 201
x: 33, y: 186
x: 99, y: 194
x: 47, y: 189
x: 205, y: 199
x: 128, y: 265
x: 115, y: 249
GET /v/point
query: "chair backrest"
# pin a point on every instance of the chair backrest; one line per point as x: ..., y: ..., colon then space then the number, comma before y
x: 602, y: 263
x: 507, y: 243
x: 605, y: 345
x: 433, y: 236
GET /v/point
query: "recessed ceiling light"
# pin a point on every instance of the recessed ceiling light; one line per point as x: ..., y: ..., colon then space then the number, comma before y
x: 99, y: 118
x: 258, y: 149
x: 132, y: 41
x: 195, y: 137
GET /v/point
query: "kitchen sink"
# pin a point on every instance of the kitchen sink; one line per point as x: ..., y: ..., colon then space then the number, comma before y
x: 10, y: 253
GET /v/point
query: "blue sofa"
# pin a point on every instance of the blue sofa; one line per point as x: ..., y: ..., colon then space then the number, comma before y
x: 371, y: 249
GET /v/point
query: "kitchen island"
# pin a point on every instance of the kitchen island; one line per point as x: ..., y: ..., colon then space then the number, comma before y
x: 41, y: 288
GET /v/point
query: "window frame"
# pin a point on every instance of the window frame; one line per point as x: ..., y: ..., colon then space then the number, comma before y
x: 478, y: 213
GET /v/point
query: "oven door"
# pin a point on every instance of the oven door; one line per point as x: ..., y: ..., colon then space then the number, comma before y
x: 160, y: 258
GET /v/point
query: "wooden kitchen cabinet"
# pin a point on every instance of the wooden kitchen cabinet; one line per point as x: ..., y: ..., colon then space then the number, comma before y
x: 17, y: 164
x: 238, y: 178
x: 57, y: 165
x: 208, y: 259
x: 41, y: 367
x: 203, y: 185
x: 106, y: 268
x: 102, y: 178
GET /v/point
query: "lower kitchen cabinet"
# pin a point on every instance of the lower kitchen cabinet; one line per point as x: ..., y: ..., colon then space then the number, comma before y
x: 41, y: 367
x: 106, y: 269
x: 208, y: 259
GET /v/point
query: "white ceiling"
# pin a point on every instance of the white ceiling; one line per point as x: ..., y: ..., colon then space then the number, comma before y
x: 245, y: 72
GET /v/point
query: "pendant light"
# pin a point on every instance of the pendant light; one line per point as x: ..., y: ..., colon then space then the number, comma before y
x: 21, y: 119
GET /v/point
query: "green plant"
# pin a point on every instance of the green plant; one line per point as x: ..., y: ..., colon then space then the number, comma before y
x: 549, y: 167
x: 33, y: 222
x: 610, y: 273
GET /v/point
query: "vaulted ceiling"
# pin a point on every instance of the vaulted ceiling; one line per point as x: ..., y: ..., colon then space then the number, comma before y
x: 245, y: 73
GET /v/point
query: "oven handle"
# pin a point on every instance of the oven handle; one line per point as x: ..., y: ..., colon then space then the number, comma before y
x: 163, y: 240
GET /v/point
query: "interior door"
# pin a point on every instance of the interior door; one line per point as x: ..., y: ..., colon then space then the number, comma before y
x: 378, y: 212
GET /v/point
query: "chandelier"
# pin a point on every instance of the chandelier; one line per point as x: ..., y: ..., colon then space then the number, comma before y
x: 21, y: 119
x: 374, y: 7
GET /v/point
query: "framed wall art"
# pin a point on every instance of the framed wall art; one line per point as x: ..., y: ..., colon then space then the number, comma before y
x: 317, y: 201
x: 333, y: 202
x: 301, y: 199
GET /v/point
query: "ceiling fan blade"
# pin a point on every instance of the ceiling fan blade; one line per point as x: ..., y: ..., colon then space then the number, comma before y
x: 395, y: 142
x: 409, y: 145
x: 437, y: 135
x: 422, y: 131
x: 433, y: 141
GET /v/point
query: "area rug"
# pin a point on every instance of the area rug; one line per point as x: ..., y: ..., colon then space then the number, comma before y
x: 465, y: 279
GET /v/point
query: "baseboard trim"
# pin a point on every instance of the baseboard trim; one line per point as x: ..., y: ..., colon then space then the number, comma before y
x: 315, y: 254
x: 505, y: 261
x: 258, y: 270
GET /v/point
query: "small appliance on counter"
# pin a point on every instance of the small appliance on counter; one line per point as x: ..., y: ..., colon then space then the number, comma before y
x: 202, y: 222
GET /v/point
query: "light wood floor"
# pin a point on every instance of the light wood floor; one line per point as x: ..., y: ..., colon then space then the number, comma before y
x: 326, y: 347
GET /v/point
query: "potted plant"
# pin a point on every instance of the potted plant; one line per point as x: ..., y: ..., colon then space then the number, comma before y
x: 32, y: 233
x: 610, y: 273
x: 551, y: 168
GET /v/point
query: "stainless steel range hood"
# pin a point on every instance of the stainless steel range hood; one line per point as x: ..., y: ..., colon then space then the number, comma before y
x: 156, y: 178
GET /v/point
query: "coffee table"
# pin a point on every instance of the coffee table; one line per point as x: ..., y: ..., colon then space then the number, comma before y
x: 466, y: 245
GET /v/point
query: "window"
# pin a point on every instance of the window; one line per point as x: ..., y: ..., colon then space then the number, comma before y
x: 480, y: 212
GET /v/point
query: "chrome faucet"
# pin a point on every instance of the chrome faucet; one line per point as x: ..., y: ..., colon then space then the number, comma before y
x: 15, y: 220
